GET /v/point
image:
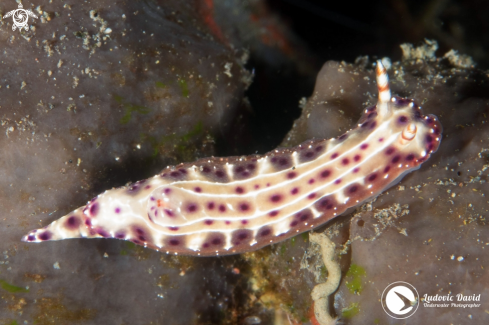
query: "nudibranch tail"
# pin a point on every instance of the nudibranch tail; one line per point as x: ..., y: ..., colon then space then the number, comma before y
x: 219, y: 206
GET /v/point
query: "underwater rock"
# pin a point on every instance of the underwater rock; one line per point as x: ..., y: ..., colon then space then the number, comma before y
x: 94, y: 95
x: 430, y: 229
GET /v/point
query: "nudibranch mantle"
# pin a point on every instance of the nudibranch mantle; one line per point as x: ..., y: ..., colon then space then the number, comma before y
x: 220, y: 206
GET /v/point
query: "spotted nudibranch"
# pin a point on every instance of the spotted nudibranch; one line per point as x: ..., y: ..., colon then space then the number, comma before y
x: 220, y: 206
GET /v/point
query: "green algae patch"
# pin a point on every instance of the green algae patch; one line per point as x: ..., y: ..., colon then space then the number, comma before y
x: 11, y: 288
x: 354, y: 278
x: 130, y: 108
x: 159, y: 84
x: 179, y: 142
x: 350, y: 311
x: 184, y: 87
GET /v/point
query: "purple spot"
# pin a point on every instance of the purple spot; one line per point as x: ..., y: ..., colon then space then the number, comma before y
x: 353, y: 189
x: 30, y: 238
x: 206, y: 169
x: 167, y: 190
x: 333, y: 156
x: 173, y: 228
x: 242, y: 236
x: 429, y: 138
x: 251, y: 166
x: 220, y: 173
x: 45, y: 235
x: 343, y: 137
x: 117, y: 210
x: 120, y: 235
x: 387, y: 168
x: 240, y: 169
x: 410, y: 157
x: 88, y: 222
x: 356, y: 169
x: 167, y: 212
x: 311, y: 196
x: 276, y: 198
x: 403, y: 119
x: 372, y: 177
x: 210, y: 205
x: 293, y: 223
x: 257, y: 186
x: 364, y: 146
x: 147, y: 187
x: 311, y: 181
x: 357, y: 158
x: 389, y: 151
x: 364, y: 124
x: 345, y: 161
x: 273, y: 213
x: 373, y: 125
x: 396, y: 159
x: 192, y: 207
x: 183, y: 171
x: 244, y: 206
x: 326, y: 204
x: 374, y: 114
x: 227, y: 222
x: 294, y: 191
x: 103, y: 233
x: 133, y: 188
x: 381, y: 139
x: 429, y: 120
x: 174, y: 174
x: 319, y: 148
x: 291, y: 175
x: 209, y: 222
x: 72, y: 222
x: 309, y: 154
x: 265, y: 232
x: 94, y: 208
x: 337, y: 181
x: 216, y: 241
x: 239, y: 190
x: 222, y: 208
x: 244, y: 222
x: 198, y: 189
x: 174, y: 242
x: 325, y: 173
x: 303, y: 217
x: 206, y: 245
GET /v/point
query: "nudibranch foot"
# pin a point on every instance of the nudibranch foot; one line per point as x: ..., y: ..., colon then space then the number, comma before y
x: 219, y: 206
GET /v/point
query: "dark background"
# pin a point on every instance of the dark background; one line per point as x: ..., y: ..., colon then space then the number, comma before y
x: 343, y: 31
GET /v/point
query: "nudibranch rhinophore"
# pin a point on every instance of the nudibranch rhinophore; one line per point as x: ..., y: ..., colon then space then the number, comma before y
x: 220, y: 206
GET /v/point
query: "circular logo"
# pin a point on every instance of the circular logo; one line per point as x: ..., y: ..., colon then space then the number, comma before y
x: 400, y: 300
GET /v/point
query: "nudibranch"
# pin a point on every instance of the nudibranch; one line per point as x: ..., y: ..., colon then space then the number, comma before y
x: 220, y: 206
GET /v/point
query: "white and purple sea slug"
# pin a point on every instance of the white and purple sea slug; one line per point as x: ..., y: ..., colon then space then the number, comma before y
x: 219, y: 206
